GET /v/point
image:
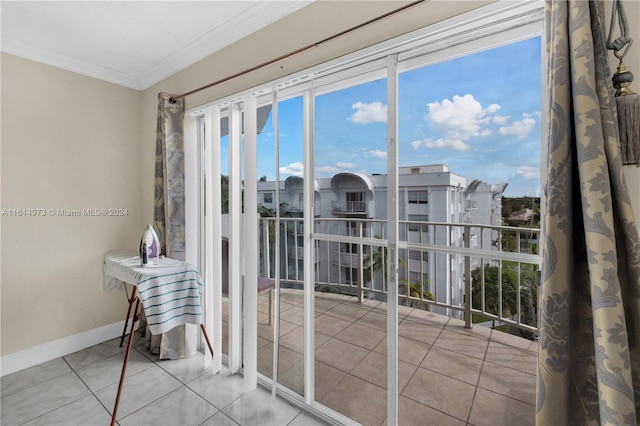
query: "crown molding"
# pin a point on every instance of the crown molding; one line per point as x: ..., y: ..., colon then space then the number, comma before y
x: 252, y: 19
x: 64, y: 62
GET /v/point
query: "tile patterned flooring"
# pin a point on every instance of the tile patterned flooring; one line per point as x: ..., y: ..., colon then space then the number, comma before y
x: 448, y: 375
x: 80, y: 389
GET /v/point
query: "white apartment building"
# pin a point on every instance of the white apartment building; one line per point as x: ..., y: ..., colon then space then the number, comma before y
x: 428, y: 195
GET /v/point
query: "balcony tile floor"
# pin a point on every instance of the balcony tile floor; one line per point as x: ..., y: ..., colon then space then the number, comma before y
x: 448, y: 375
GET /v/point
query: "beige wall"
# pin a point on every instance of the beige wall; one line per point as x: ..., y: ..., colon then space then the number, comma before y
x: 68, y: 142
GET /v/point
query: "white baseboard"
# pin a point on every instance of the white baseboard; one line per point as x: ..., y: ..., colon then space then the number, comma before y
x: 47, y: 351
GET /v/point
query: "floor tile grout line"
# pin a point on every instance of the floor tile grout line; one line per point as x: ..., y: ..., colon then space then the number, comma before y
x: 69, y: 402
x: 39, y: 383
x: 475, y: 390
x: 109, y: 412
x: 166, y: 395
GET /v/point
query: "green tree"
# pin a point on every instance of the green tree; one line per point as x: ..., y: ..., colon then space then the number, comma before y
x: 377, y: 261
x: 414, y: 289
x: 491, y: 289
x: 267, y: 212
x: 510, y: 271
x: 224, y: 193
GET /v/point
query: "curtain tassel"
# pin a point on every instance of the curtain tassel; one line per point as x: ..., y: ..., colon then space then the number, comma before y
x: 628, y: 105
x: 627, y: 102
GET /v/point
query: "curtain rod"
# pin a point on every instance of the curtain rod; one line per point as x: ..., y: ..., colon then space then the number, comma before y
x: 300, y: 50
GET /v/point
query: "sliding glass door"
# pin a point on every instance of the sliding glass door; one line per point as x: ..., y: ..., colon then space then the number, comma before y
x: 350, y: 173
x: 376, y: 186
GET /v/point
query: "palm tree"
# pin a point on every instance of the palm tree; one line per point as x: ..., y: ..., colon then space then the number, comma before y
x: 377, y: 261
x: 414, y: 289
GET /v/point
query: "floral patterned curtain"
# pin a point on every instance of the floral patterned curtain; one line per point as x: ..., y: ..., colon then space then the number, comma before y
x: 169, y: 215
x: 589, y: 344
x: 169, y: 210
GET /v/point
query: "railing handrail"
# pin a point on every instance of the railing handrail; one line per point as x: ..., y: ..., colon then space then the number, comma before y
x: 365, y: 220
x: 455, y: 240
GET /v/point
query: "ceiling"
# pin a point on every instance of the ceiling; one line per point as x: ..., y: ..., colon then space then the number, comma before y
x: 131, y: 43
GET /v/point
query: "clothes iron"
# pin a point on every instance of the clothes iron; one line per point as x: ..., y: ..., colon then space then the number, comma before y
x: 149, y: 247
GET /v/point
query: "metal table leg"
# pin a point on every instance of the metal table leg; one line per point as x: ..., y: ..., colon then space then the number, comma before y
x: 130, y: 299
x: 136, y: 316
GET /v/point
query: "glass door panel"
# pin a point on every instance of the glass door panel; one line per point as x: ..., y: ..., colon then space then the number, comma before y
x: 469, y: 139
x: 286, y: 253
x: 224, y: 199
x: 350, y: 203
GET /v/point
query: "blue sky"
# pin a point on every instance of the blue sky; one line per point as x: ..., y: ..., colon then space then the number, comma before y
x: 478, y: 114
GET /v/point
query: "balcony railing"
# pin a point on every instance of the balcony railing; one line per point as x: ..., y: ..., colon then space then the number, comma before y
x: 462, y: 269
x: 349, y: 206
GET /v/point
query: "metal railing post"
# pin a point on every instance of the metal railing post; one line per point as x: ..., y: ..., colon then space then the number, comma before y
x: 360, y: 268
x: 467, y: 278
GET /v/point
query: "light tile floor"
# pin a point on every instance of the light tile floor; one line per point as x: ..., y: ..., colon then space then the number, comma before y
x: 448, y: 375
x: 80, y: 389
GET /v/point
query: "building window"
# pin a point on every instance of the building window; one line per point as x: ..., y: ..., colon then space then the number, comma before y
x: 418, y: 197
x: 418, y: 226
x: 355, y: 201
x: 267, y: 198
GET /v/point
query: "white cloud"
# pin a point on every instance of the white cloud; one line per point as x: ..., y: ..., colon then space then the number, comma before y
x: 460, y: 118
x: 369, y: 113
x: 328, y: 170
x: 499, y: 119
x: 293, y: 169
x: 491, y: 109
x: 454, y: 144
x: 378, y: 154
x: 297, y: 169
x: 520, y: 128
x: 528, y: 172
x: 416, y: 144
x: 346, y: 165
x: 457, y: 120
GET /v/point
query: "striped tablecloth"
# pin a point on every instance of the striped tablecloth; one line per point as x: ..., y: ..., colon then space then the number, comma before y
x: 169, y: 291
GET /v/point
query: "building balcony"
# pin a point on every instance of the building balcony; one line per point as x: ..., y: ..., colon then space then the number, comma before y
x: 450, y: 371
x: 447, y: 374
x: 471, y: 205
x: 349, y: 207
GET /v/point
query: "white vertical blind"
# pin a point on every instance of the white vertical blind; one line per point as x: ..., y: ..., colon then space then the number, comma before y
x: 192, y: 177
x: 213, y: 235
x: 276, y: 266
x: 251, y: 245
x: 392, y: 230
x: 235, y: 240
x: 309, y: 267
